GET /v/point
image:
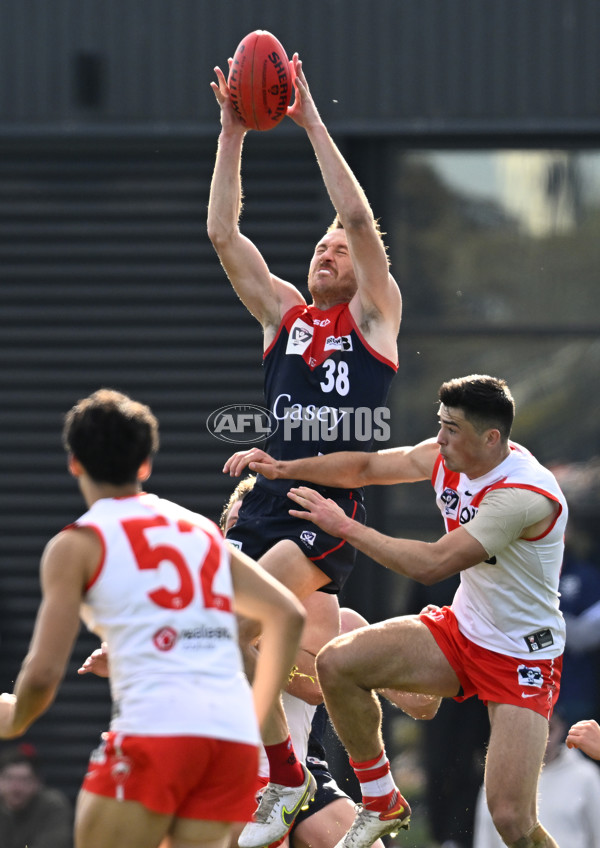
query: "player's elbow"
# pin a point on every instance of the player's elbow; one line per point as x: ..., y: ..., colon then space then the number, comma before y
x: 220, y: 234
x: 294, y: 614
x: 42, y: 676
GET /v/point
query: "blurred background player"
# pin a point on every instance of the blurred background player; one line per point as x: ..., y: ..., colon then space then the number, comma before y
x: 340, y: 351
x: 568, y: 795
x: 31, y: 814
x: 157, y: 583
x: 585, y: 735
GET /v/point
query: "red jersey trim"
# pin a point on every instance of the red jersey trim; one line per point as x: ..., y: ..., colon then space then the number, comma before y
x: 371, y: 350
x: 336, y: 547
x: 502, y: 485
x: 301, y: 309
x: 100, y: 565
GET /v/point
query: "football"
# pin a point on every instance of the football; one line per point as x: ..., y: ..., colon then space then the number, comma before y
x: 260, y: 81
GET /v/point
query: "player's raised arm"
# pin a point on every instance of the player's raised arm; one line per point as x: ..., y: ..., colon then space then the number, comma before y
x: 377, y: 305
x: 265, y: 296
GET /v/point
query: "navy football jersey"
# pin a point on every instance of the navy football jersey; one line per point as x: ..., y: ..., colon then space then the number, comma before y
x: 325, y: 385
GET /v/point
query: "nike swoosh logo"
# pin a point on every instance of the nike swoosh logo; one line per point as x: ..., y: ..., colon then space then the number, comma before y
x: 533, y: 695
x: 392, y: 814
x: 288, y: 816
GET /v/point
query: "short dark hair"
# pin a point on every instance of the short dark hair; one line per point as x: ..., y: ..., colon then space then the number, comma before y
x: 20, y: 755
x: 111, y: 435
x: 486, y: 401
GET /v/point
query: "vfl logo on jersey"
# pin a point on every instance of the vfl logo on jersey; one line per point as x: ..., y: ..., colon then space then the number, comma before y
x: 308, y: 537
x: 451, y: 500
x: 530, y: 676
x: 338, y: 343
x: 300, y: 337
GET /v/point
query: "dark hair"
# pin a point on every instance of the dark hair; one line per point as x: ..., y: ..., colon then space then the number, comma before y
x: 111, y: 435
x: 19, y: 755
x: 485, y: 401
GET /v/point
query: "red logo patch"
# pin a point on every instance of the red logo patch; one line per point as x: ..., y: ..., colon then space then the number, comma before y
x: 165, y: 638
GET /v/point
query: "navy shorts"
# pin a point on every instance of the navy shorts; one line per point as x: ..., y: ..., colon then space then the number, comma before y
x: 327, y: 790
x: 264, y: 520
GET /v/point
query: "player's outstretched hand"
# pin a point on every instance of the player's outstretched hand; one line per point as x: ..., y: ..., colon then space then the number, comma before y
x: 303, y: 110
x: 585, y: 735
x: 96, y: 663
x: 256, y: 459
x: 229, y: 119
x: 321, y: 511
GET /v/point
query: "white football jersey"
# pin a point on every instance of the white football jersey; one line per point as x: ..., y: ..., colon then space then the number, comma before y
x: 162, y: 599
x: 509, y: 603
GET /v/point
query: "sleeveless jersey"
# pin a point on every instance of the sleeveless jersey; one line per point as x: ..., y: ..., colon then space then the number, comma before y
x: 162, y: 599
x: 325, y: 387
x: 509, y: 603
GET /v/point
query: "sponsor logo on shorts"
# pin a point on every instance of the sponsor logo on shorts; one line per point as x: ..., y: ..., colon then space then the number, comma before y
x: 308, y: 537
x: 530, y: 676
x: 235, y: 544
x: 241, y: 423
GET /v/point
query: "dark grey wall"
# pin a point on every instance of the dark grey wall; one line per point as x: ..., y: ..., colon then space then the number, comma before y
x: 410, y: 66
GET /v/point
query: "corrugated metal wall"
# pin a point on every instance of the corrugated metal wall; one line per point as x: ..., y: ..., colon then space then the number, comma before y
x: 409, y: 66
x: 108, y: 278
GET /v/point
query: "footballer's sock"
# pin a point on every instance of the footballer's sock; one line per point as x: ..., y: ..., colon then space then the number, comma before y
x: 284, y: 767
x: 376, y: 782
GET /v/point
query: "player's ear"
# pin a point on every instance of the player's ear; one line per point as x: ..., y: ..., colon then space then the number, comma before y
x: 493, y: 437
x: 75, y: 467
x: 145, y: 470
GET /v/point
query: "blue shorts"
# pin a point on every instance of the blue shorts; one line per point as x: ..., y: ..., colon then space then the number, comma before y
x: 264, y: 520
x: 327, y: 790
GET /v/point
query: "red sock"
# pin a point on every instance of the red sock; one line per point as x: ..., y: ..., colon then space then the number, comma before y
x: 376, y: 782
x: 284, y: 768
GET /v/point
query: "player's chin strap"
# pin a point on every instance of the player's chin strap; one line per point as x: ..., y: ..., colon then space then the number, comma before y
x: 536, y: 837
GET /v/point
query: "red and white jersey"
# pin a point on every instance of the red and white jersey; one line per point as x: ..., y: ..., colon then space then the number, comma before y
x: 509, y: 603
x: 162, y: 599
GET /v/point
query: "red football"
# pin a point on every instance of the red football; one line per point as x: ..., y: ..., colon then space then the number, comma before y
x: 260, y: 81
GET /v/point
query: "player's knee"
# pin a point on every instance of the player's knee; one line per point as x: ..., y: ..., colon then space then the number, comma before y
x: 330, y: 664
x: 536, y: 837
x: 508, y: 819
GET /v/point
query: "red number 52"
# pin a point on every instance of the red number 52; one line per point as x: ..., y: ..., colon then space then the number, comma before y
x: 148, y: 555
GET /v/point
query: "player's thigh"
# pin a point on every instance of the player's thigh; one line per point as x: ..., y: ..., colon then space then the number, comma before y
x: 516, y: 750
x: 100, y: 822
x: 189, y: 833
x: 290, y: 566
x: 327, y: 826
x: 399, y: 653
